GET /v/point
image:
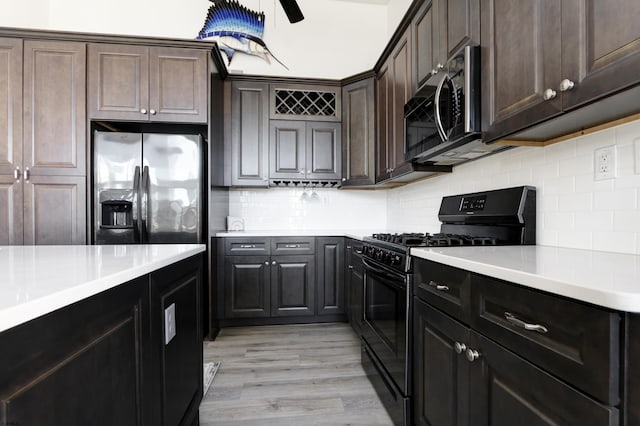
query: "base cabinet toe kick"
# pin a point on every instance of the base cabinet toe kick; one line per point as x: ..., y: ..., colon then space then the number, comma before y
x: 494, y: 352
x: 105, y: 360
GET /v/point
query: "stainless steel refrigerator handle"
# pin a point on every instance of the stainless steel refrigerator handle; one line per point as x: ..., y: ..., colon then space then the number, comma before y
x: 135, y: 212
x: 144, y: 204
x: 436, y: 101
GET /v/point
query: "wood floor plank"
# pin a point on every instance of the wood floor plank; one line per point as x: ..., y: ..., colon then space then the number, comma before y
x: 289, y: 375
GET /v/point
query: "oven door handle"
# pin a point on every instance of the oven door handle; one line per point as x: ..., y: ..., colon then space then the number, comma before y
x: 387, y: 274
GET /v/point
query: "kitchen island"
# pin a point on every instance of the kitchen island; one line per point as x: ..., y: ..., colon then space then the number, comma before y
x: 100, y: 334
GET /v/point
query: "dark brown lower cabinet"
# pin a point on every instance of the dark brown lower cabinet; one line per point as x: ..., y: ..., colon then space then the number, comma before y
x: 247, y: 286
x: 177, y: 361
x: 330, y: 276
x: 104, y: 360
x: 279, y: 280
x: 495, y: 387
x: 507, y: 390
x: 441, y: 375
x: 293, y: 286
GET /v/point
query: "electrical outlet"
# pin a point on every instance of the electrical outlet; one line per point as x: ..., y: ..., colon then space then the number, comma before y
x: 636, y: 143
x: 169, y: 323
x: 605, y: 162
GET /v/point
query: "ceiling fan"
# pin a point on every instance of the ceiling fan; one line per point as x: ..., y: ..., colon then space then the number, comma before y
x: 292, y: 10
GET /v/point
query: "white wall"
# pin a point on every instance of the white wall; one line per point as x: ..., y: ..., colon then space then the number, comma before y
x: 573, y: 210
x: 395, y: 12
x: 287, y: 209
x: 337, y: 38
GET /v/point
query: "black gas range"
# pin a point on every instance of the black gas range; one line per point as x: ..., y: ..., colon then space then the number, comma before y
x: 501, y: 217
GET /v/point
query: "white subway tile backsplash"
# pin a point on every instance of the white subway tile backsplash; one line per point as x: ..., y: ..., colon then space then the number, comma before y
x: 574, y: 210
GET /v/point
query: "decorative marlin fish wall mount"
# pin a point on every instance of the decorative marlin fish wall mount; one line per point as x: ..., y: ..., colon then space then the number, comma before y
x: 236, y: 29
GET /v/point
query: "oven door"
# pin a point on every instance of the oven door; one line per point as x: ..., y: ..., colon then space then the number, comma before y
x: 386, y: 319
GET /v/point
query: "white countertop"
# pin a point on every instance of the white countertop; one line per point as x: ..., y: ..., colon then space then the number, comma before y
x: 611, y: 280
x: 36, y: 280
x: 355, y: 234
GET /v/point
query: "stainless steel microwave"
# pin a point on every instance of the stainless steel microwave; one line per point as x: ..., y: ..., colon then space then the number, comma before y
x: 442, y: 120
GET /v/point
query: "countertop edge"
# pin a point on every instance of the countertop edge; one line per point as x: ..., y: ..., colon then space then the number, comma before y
x: 17, y: 315
x: 602, y: 297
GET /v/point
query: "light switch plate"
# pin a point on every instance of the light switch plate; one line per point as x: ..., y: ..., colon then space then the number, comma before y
x: 169, y: 323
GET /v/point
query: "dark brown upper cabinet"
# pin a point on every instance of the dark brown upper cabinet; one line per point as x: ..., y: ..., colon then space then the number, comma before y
x: 249, y: 134
x: 140, y: 83
x: 440, y: 28
x: 394, y: 90
x: 358, y: 133
x: 547, y: 58
x: 304, y: 150
x: 42, y: 142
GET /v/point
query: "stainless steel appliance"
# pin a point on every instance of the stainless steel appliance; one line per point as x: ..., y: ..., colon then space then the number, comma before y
x: 501, y: 217
x: 147, y: 188
x: 442, y: 120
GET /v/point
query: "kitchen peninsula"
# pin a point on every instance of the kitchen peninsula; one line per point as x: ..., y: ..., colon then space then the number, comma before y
x: 111, y: 334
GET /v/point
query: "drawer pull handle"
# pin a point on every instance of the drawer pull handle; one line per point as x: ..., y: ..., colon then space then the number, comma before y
x: 438, y: 286
x: 292, y: 246
x: 518, y: 322
x: 358, y: 251
x: 247, y: 246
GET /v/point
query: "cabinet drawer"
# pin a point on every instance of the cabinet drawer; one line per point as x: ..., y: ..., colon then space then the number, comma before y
x: 247, y: 246
x: 293, y: 245
x: 442, y: 286
x: 577, y: 342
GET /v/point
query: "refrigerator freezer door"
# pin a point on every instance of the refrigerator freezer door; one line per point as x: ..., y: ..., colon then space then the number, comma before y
x: 172, y: 188
x: 116, y: 157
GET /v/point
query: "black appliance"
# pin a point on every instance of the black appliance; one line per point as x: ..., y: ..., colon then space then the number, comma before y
x: 500, y: 217
x: 442, y: 120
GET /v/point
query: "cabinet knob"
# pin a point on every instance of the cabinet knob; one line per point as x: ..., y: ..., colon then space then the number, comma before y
x: 143, y: 111
x: 566, y: 85
x: 273, y: 262
x: 152, y: 111
x: 266, y: 262
x: 16, y: 174
x: 434, y: 71
x: 25, y: 175
x: 344, y: 179
x: 472, y: 354
x: 549, y: 94
x: 265, y: 178
x: 459, y: 347
x: 350, y: 266
x: 439, y: 67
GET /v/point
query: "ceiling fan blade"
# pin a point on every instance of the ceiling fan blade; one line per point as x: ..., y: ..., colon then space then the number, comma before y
x: 292, y: 10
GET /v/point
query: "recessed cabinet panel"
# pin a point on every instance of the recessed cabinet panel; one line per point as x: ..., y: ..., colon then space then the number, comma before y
x: 54, y: 108
x: 441, y: 375
x: 292, y: 286
x: 10, y: 105
x: 358, y: 133
x: 55, y: 210
x: 247, y: 288
x: 425, y: 40
x: 330, y: 276
x: 118, y: 81
x: 249, y: 134
x: 601, y: 48
x: 10, y: 211
x: 178, y: 84
x: 323, y: 151
x: 521, y: 60
x: 383, y: 122
x: 461, y: 25
x: 287, y: 149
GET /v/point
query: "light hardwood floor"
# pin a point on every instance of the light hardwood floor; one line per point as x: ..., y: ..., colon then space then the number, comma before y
x: 289, y: 375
